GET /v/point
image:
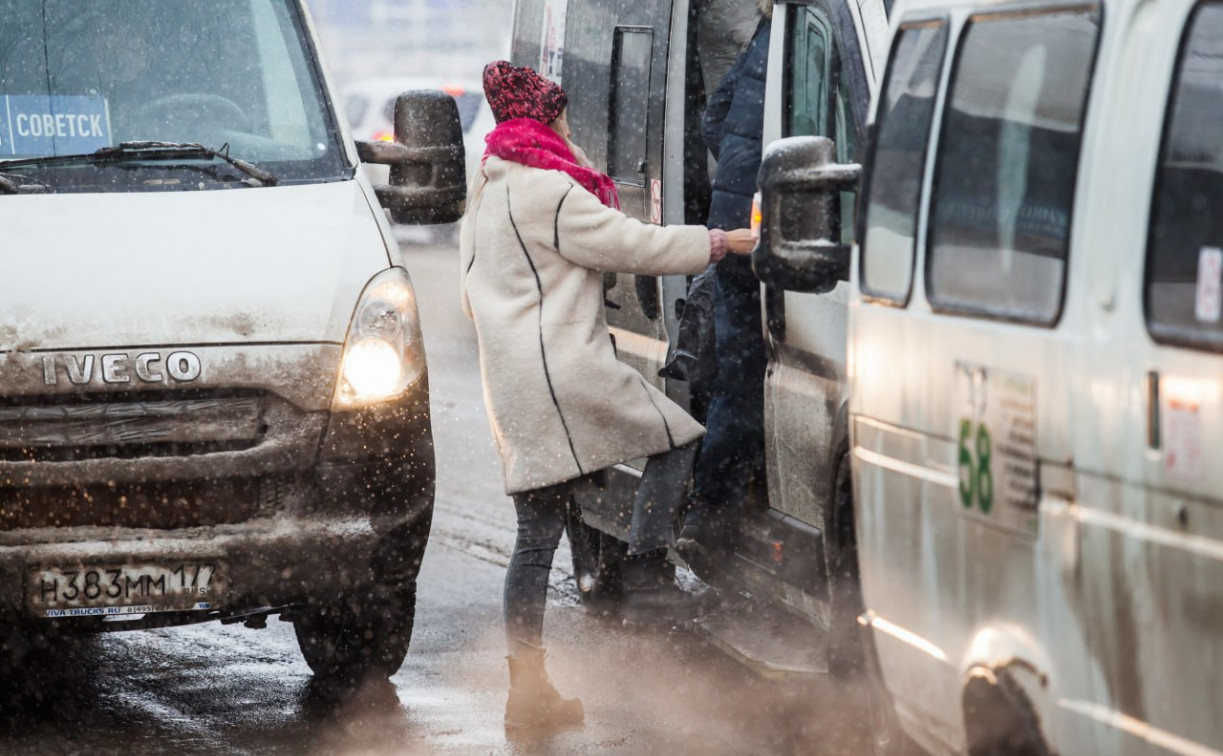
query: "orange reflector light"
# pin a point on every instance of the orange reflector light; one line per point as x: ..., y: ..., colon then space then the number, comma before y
x: 454, y: 90
x: 757, y: 215
x: 384, y: 136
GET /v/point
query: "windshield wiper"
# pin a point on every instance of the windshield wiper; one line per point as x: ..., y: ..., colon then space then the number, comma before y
x: 125, y: 151
x: 9, y: 186
x: 170, y: 150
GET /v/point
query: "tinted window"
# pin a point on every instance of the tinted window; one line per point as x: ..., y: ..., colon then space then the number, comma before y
x: 1008, y: 154
x: 630, y: 92
x: 807, y: 103
x: 814, y: 71
x: 1185, y: 254
x: 905, y: 111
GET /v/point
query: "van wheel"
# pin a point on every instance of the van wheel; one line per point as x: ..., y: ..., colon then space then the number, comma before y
x: 851, y: 648
x: 597, y: 561
x: 352, y: 639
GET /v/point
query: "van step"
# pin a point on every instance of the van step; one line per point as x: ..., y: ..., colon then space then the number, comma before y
x: 770, y: 641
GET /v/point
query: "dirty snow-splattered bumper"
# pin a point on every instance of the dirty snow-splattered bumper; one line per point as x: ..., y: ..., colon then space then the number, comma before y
x: 258, y: 490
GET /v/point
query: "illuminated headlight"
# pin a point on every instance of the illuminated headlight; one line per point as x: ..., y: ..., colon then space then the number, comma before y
x: 383, y: 354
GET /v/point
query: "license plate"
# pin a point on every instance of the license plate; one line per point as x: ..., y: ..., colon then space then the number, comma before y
x: 92, y: 591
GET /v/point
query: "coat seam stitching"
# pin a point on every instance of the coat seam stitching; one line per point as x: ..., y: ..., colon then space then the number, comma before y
x: 556, y: 223
x: 543, y: 352
x: 474, y: 218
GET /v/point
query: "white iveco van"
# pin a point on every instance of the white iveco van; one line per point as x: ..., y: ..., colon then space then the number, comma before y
x: 1034, y: 356
x: 213, y: 393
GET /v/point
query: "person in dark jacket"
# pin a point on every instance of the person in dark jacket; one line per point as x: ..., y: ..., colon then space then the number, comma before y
x: 732, y: 452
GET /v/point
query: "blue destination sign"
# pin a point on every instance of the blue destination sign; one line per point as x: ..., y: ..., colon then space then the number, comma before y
x: 53, y: 124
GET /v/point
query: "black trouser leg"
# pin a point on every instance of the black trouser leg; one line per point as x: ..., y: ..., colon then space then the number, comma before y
x: 733, y: 447
x: 541, y: 522
x: 659, y: 495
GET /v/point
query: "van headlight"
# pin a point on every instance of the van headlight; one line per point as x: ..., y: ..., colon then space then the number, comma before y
x: 383, y: 354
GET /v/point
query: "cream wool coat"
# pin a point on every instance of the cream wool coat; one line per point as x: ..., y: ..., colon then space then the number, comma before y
x: 533, y: 246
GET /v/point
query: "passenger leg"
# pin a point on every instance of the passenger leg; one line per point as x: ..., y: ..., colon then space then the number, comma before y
x: 732, y: 452
x: 533, y: 701
x: 651, y: 595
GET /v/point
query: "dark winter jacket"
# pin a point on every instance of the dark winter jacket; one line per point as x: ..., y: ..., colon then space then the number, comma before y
x: 733, y: 128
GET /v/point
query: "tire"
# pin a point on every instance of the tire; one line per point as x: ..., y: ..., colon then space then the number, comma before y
x: 40, y: 664
x: 852, y: 657
x: 365, y: 634
x: 351, y: 640
x: 597, y: 561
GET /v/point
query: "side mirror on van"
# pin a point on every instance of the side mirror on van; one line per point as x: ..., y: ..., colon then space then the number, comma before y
x: 800, y: 245
x: 428, y: 170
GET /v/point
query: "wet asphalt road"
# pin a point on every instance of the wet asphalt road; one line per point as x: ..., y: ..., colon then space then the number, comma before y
x: 214, y: 689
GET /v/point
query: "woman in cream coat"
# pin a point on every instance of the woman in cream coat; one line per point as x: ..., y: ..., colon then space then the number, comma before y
x: 541, y: 227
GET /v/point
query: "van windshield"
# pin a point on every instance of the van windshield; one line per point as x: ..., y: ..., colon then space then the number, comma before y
x: 79, y: 76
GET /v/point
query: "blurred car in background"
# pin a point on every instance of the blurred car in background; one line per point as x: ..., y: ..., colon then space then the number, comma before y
x: 369, y: 105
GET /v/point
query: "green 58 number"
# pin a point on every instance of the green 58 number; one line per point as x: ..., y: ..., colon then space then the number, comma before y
x: 976, y: 480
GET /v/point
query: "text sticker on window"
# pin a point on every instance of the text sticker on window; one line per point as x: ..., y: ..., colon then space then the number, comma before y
x: 54, y: 125
x: 1208, y: 303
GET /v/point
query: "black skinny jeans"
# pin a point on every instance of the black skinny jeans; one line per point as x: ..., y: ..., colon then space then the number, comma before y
x: 541, y: 523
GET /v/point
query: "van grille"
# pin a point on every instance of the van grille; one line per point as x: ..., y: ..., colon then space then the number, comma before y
x: 159, y: 506
x: 127, y: 427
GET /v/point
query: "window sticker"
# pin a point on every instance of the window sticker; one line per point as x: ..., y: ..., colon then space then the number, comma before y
x: 995, y: 429
x: 1208, y: 303
x: 53, y: 124
x: 1183, y: 435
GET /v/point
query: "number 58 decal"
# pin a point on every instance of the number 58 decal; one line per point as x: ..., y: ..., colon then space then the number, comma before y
x: 976, y: 477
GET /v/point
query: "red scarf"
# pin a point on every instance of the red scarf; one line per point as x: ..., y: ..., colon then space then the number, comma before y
x: 529, y: 142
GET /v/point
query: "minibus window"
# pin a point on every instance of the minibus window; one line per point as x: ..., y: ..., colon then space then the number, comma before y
x: 1008, y: 157
x: 903, y: 121
x: 630, y: 93
x: 807, y: 101
x: 1184, y: 272
x: 76, y: 77
x: 815, y: 73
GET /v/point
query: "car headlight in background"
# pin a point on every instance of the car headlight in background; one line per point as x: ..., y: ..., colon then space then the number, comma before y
x: 383, y: 354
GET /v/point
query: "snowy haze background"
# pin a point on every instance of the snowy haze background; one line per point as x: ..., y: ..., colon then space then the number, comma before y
x: 451, y: 39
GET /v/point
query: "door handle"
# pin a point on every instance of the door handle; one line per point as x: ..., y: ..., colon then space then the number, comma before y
x: 1153, y: 436
x: 647, y: 295
x: 775, y: 312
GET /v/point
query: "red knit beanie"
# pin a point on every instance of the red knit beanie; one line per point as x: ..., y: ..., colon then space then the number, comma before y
x: 516, y: 92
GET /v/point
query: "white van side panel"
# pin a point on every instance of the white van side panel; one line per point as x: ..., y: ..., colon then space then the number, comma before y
x: 1116, y: 592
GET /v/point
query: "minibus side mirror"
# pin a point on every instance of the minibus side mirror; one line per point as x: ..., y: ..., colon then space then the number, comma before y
x: 800, y: 247
x: 428, y: 170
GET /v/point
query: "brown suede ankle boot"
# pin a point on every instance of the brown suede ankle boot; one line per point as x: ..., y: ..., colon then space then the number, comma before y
x: 533, y: 702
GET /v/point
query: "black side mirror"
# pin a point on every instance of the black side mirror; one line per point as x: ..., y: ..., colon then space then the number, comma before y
x: 800, y: 245
x: 428, y: 169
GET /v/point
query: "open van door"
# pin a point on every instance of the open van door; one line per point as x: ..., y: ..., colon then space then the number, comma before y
x: 617, y: 87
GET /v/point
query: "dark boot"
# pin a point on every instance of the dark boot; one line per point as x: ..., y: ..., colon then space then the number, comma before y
x: 702, y: 543
x: 651, y: 595
x: 533, y: 702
